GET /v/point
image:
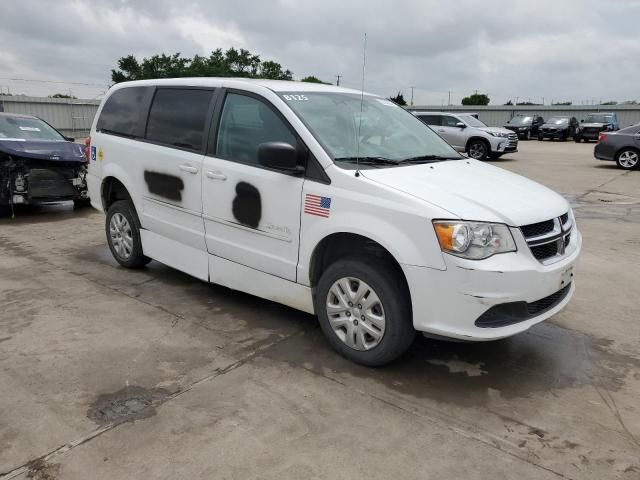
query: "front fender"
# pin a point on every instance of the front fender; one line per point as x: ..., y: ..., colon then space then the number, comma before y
x: 409, y: 239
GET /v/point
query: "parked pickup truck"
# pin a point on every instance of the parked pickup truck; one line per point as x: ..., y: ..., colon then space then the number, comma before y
x: 331, y: 201
x: 595, y: 123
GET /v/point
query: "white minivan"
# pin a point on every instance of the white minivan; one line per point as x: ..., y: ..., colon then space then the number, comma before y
x: 333, y: 202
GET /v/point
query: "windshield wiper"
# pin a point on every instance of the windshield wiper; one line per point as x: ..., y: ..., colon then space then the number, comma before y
x: 369, y: 160
x: 429, y: 158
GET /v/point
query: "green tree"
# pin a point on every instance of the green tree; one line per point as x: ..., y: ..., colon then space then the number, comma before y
x: 313, y: 79
x: 476, y: 99
x: 562, y: 103
x: 230, y: 63
x: 610, y: 102
x: 399, y: 99
x: 629, y: 102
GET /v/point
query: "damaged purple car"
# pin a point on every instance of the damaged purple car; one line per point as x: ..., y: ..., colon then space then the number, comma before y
x: 38, y: 164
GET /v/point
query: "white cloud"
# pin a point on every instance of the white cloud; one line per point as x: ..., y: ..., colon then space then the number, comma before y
x: 573, y: 49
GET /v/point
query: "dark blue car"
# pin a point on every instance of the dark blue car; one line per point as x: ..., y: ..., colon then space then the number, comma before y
x: 38, y: 164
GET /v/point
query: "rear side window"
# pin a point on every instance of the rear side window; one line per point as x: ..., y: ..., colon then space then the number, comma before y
x: 631, y: 130
x: 124, y: 112
x: 430, y: 119
x: 178, y: 117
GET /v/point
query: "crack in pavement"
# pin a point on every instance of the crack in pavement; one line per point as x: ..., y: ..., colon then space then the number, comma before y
x: 67, y: 447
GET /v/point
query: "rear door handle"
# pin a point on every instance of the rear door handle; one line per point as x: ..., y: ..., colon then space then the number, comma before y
x: 188, y: 168
x: 216, y: 175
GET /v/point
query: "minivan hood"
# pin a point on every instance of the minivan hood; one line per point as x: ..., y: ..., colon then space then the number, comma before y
x: 560, y: 126
x: 56, y: 151
x: 472, y: 190
x: 595, y: 124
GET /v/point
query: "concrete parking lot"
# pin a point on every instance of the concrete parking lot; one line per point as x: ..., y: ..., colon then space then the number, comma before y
x: 108, y: 373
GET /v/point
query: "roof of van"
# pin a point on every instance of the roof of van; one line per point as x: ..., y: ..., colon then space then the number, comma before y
x: 275, y: 85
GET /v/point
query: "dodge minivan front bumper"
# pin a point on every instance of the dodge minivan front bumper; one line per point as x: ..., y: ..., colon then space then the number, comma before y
x: 493, y: 298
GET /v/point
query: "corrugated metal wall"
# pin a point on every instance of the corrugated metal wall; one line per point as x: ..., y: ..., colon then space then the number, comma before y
x: 495, y: 116
x: 72, y: 117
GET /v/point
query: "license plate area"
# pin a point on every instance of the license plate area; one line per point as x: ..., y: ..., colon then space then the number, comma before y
x: 566, y: 277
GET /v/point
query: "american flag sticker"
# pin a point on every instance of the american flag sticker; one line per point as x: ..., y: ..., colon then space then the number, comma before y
x: 317, y: 205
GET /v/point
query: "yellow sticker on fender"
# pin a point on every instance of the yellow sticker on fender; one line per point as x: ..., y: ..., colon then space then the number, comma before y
x: 100, y: 154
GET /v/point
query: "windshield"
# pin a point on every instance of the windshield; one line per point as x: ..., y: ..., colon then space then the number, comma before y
x: 520, y: 121
x: 598, y: 119
x: 471, y: 121
x: 377, y: 130
x: 26, y: 128
x: 558, y: 120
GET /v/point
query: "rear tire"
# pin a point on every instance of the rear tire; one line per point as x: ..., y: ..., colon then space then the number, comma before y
x: 540, y: 138
x: 123, y: 235
x: 628, y: 159
x: 577, y: 139
x: 377, y: 326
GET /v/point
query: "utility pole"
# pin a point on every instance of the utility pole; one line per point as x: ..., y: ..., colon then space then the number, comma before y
x: 338, y: 82
x: 412, y: 95
x: 449, y: 98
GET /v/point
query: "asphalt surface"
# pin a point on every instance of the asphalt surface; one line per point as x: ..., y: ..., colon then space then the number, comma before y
x: 108, y: 373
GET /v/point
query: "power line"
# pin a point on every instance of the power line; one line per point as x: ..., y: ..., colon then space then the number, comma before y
x: 54, y: 81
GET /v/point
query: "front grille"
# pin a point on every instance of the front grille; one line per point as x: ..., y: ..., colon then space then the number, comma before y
x: 592, y: 129
x: 513, y: 140
x: 546, y: 303
x: 506, y: 314
x: 549, y: 239
x: 537, y: 229
x: 547, y: 250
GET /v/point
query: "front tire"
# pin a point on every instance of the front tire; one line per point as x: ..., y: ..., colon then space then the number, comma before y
x: 577, y: 138
x: 628, y: 159
x: 364, y: 310
x: 123, y: 235
x: 540, y: 138
x: 478, y: 150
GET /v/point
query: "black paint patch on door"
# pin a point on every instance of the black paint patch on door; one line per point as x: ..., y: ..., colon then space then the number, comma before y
x: 247, y: 206
x: 163, y: 185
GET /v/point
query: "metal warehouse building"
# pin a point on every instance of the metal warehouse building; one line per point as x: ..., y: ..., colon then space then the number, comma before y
x: 72, y: 117
x: 496, y: 116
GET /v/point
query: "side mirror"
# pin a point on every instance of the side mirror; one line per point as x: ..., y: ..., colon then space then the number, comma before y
x: 70, y: 139
x: 461, y: 125
x: 582, y: 121
x: 279, y: 156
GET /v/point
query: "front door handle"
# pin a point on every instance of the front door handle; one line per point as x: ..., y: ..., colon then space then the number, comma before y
x: 188, y: 168
x: 441, y: 130
x: 216, y: 175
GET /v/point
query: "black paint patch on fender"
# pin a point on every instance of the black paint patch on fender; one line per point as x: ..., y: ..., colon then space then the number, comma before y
x: 247, y: 206
x: 163, y: 185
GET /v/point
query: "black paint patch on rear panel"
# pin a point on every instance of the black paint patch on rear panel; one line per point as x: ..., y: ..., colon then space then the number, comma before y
x: 247, y: 206
x: 163, y: 185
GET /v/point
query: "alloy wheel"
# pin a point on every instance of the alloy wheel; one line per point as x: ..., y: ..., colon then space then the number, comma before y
x: 356, y: 313
x: 477, y: 150
x: 121, y: 235
x: 628, y: 159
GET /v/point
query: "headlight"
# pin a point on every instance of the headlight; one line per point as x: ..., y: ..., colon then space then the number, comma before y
x: 473, y: 240
x: 498, y: 134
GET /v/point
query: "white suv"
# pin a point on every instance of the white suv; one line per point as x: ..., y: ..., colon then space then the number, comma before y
x: 465, y: 133
x: 330, y: 201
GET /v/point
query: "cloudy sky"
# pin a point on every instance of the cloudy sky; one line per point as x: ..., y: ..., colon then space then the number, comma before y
x: 579, y: 50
